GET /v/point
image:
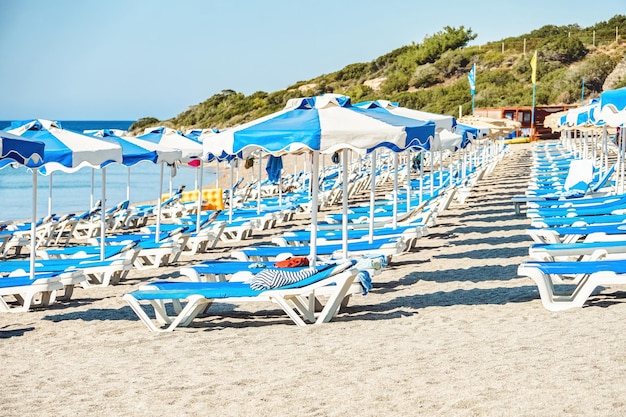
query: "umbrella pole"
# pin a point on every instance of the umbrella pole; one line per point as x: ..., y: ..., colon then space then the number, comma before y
x: 230, y: 195
x: 372, y: 196
x: 92, y: 189
x: 103, y: 213
x: 344, y: 217
x: 622, y: 155
x: 421, y: 178
x: 315, y: 181
x: 128, y: 183
x: 280, y: 188
x: 171, y: 179
x: 50, y: 195
x: 395, y: 190
x: 158, y: 219
x: 199, y: 213
x: 217, y: 173
x: 440, y: 168
x: 432, y: 174
x: 606, y: 146
x: 309, y: 173
x: 408, y: 181
x: 258, y: 197
x: 33, y: 227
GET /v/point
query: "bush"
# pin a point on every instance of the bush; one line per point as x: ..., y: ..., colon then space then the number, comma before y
x: 425, y: 76
x: 594, y: 70
x: 453, y: 63
x: 396, y: 82
x: 359, y: 92
x: 563, y: 49
x: 143, y: 123
x: 353, y: 71
x: 449, y: 38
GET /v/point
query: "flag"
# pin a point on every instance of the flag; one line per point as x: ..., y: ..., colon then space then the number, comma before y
x: 472, y: 79
x: 533, y: 66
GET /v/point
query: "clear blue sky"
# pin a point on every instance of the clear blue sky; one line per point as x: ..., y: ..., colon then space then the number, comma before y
x: 125, y: 59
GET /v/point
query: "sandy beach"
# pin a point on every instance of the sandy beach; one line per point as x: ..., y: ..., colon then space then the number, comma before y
x: 449, y: 329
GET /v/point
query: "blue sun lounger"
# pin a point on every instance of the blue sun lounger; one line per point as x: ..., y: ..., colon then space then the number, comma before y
x: 298, y: 300
x: 28, y: 293
x: 264, y: 253
x: 88, y: 272
x: 219, y: 270
x: 586, y: 201
x: 409, y: 233
x: 571, y: 234
x: 586, y: 277
x: 85, y: 251
x: 578, y: 251
x: 606, y: 207
x: 579, y: 220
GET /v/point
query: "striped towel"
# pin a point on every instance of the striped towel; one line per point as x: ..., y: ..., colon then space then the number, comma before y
x: 274, y: 278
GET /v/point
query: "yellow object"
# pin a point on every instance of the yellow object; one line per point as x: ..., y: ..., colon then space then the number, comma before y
x: 517, y: 140
x: 212, y: 199
x: 533, y: 66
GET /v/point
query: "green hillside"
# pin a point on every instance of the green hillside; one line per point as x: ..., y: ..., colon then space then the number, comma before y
x: 432, y: 75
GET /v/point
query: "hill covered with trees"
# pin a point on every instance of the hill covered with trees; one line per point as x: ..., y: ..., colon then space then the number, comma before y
x: 432, y: 75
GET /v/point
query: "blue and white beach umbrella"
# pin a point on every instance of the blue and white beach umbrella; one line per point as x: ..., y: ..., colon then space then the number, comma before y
x: 445, y: 126
x: 131, y: 154
x: 69, y: 151
x: 583, y: 116
x: 191, y: 149
x: 613, y: 113
x: 613, y: 107
x: 326, y: 124
x: 66, y: 150
x: 442, y: 121
x: 322, y: 124
x: 135, y: 150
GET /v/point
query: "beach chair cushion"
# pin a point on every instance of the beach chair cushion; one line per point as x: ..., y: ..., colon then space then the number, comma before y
x: 274, y: 278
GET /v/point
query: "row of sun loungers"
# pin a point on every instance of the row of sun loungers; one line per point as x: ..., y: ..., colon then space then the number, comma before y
x: 315, y: 299
x: 131, y: 243
x: 579, y: 244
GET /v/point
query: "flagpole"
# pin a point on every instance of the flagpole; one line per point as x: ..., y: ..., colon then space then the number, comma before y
x: 473, y: 95
x: 532, y: 116
x: 533, y: 67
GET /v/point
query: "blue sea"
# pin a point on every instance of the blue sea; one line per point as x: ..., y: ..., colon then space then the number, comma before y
x: 72, y: 193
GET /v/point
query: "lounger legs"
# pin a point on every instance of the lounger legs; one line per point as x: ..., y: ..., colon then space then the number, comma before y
x: 584, y: 288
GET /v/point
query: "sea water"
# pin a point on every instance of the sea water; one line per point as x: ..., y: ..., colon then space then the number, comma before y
x: 73, y: 193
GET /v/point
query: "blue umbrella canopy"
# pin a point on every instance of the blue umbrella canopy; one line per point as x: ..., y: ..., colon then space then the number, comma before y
x: 613, y: 107
x: 66, y: 150
x: 132, y: 153
x: 15, y: 149
x: 442, y: 121
x: 445, y: 135
x: 583, y: 116
x: 324, y: 123
x: 191, y: 149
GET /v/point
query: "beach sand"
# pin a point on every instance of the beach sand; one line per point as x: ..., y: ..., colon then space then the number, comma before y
x: 449, y: 329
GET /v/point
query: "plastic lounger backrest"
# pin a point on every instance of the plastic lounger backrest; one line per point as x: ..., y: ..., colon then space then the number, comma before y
x: 580, y: 174
x: 603, y: 180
